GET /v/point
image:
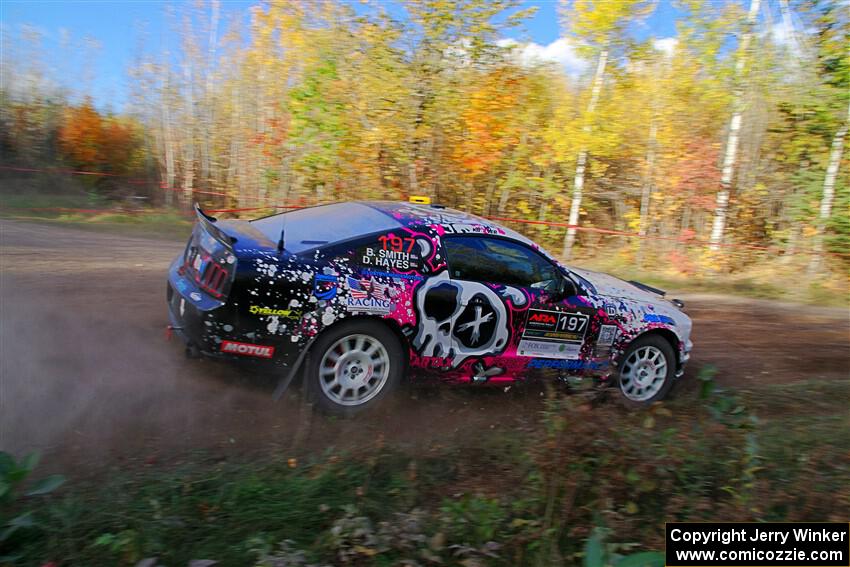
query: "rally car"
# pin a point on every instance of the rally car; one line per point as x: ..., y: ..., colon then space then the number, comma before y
x: 354, y: 297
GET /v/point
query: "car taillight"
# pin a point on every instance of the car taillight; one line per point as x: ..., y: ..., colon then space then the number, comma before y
x: 214, y: 278
x: 211, y: 275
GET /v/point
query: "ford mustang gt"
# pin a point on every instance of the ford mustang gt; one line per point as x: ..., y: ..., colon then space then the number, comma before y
x: 354, y: 297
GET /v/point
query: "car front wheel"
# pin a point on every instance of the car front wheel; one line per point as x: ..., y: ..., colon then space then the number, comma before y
x: 647, y: 370
x: 353, y: 366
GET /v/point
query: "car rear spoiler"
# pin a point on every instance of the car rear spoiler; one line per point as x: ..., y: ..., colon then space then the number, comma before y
x: 208, y: 223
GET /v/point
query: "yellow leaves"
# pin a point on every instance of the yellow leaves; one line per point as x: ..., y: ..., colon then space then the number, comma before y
x: 599, y: 23
x: 632, y: 218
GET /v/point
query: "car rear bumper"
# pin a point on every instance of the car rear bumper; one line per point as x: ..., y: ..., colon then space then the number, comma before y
x: 214, y: 329
x: 187, y: 319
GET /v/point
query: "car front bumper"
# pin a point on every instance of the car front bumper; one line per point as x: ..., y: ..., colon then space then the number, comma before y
x: 684, y: 357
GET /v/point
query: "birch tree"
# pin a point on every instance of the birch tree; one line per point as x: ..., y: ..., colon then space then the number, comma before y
x: 731, y: 147
x: 828, y: 192
x: 600, y: 26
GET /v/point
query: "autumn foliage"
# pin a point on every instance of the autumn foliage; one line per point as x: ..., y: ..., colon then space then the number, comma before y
x: 308, y: 102
x: 90, y: 141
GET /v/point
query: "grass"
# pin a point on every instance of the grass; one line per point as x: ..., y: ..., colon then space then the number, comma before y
x: 136, y: 220
x: 514, y: 498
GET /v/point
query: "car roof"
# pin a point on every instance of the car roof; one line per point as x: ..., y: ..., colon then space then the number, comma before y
x: 314, y: 227
x: 450, y: 221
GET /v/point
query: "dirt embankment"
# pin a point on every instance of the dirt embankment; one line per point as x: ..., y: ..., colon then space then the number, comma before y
x: 87, y: 377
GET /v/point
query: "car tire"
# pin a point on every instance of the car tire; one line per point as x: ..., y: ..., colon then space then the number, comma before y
x: 647, y: 370
x: 353, y: 366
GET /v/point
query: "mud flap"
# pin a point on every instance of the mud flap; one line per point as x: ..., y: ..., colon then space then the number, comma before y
x: 284, y: 382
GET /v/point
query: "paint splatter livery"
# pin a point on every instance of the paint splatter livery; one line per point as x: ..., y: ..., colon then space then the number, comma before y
x: 373, y: 291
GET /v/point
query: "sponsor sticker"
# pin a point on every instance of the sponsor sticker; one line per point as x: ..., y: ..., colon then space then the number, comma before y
x: 564, y: 364
x: 370, y: 296
x: 555, y: 325
x: 381, y: 274
x: 285, y: 313
x: 607, y: 334
x: 247, y: 349
x: 548, y: 349
x: 324, y: 286
x: 471, y: 228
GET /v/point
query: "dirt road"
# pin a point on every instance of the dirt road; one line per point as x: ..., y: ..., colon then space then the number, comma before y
x: 87, y: 377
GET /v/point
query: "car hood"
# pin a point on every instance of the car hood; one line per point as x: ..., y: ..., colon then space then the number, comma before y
x: 610, y: 286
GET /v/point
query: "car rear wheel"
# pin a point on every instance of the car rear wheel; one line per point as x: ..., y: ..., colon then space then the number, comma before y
x: 353, y: 366
x: 647, y: 370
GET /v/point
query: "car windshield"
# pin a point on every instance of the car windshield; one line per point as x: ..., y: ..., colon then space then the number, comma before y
x: 313, y: 227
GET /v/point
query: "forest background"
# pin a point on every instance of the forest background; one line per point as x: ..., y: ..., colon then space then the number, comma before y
x: 715, y: 154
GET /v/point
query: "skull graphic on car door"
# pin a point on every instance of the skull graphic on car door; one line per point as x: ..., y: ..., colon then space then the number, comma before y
x: 501, y: 299
x: 459, y: 320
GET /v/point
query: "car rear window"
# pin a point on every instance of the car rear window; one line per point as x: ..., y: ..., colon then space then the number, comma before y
x: 315, y: 227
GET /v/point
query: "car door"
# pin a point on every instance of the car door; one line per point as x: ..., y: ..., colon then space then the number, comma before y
x: 535, y: 305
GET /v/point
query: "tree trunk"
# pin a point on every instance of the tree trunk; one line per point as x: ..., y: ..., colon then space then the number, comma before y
x: 828, y: 193
x: 168, y: 142
x: 503, y: 200
x: 209, y: 118
x: 189, y: 150
x: 646, y: 190
x: 722, y: 205
x: 581, y: 162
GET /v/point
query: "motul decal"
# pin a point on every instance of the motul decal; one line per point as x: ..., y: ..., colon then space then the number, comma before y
x: 247, y: 349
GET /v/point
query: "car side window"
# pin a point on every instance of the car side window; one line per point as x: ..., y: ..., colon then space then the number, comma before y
x: 495, y: 260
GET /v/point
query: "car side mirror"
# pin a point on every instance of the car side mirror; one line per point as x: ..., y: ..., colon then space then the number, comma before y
x: 565, y: 289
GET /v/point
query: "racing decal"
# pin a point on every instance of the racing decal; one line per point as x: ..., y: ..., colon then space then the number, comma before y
x: 543, y: 363
x: 247, y: 349
x: 394, y: 275
x: 476, y: 321
x: 369, y: 296
x: 471, y: 228
x: 393, y: 252
x: 607, y: 334
x: 459, y: 320
x: 555, y: 325
x: 285, y: 313
x: 324, y: 286
x: 436, y: 363
x: 549, y: 349
x: 654, y: 318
